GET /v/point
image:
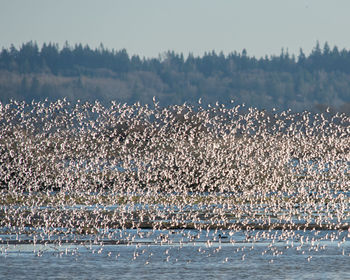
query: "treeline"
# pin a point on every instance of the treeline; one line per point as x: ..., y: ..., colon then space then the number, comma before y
x: 79, y: 72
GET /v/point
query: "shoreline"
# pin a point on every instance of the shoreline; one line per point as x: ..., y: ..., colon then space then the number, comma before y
x: 189, y: 226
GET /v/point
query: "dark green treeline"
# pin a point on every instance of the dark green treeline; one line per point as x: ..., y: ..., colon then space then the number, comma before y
x: 316, y: 81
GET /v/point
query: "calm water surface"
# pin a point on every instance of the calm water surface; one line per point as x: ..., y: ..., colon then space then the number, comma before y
x: 183, y: 259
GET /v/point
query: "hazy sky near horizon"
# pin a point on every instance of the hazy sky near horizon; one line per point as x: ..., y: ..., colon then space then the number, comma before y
x: 151, y: 27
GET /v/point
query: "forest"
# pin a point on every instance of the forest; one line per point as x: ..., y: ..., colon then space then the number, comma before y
x: 305, y: 82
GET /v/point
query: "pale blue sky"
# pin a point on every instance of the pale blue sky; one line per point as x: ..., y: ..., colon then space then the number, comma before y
x: 150, y: 27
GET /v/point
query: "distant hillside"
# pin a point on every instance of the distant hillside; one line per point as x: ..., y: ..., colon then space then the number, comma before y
x: 311, y: 82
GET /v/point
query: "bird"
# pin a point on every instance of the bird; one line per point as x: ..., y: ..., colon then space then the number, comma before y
x: 129, y: 174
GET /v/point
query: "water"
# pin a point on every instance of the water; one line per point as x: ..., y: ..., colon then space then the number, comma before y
x: 185, y: 255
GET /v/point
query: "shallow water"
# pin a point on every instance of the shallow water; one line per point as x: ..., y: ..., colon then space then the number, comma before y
x: 179, y: 258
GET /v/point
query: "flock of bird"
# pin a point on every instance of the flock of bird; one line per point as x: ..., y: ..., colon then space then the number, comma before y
x: 132, y: 174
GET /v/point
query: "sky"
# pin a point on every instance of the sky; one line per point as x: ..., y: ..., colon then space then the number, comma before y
x: 151, y: 27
